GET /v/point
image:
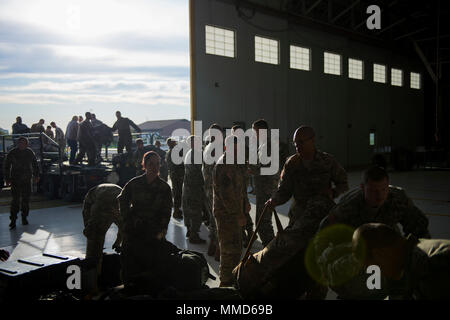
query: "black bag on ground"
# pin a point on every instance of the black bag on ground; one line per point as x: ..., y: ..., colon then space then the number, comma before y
x: 189, y: 270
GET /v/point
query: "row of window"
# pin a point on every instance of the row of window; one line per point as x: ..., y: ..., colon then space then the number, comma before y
x: 221, y: 42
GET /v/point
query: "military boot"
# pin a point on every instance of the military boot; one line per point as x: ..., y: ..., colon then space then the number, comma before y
x: 194, y: 238
x: 212, y: 248
x: 177, y: 214
x: 24, y: 221
x: 12, y: 224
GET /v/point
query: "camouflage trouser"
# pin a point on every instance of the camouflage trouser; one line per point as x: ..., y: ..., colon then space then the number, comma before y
x: 229, y: 234
x: 21, y: 192
x: 212, y: 227
x: 297, y: 235
x: 193, y: 209
x: 265, y: 230
x: 177, y: 189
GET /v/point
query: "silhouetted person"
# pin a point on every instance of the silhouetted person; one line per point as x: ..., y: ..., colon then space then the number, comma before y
x: 86, y: 139
x: 122, y: 125
x: 71, y: 136
x: 38, y: 127
x: 19, y: 127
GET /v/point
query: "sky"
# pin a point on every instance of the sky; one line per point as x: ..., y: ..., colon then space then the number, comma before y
x: 60, y: 58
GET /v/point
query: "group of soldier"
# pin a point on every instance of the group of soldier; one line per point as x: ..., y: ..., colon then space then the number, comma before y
x: 313, y: 179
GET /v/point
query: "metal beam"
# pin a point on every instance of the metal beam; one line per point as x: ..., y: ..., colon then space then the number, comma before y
x: 345, y: 11
x: 315, y: 4
x: 396, y: 23
x: 425, y: 61
x: 410, y: 33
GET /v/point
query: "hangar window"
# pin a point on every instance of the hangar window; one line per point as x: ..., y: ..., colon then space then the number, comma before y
x: 355, y: 69
x: 415, y: 80
x: 396, y: 77
x: 379, y: 73
x: 331, y: 63
x: 220, y: 41
x: 266, y: 50
x: 300, y: 58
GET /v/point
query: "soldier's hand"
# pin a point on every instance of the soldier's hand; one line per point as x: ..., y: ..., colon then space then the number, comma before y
x: 270, y: 204
x: 242, y: 220
x: 4, y: 255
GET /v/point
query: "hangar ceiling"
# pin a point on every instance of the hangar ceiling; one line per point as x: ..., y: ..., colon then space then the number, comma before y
x: 412, y: 26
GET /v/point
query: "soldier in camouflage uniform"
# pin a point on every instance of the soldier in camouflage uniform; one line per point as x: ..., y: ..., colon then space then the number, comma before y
x: 176, y: 173
x: 230, y: 205
x: 138, y: 155
x: 265, y: 186
x: 247, y: 230
x: 100, y: 210
x: 307, y: 176
x: 193, y: 192
x: 145, y: 208
x: 163, y: 172
x: 19, y: 167
x: 415, y: 268
x: 374, y: 202
x: 207, y: 170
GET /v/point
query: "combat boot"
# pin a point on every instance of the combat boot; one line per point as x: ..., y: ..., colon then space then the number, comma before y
x: 24, y: 221
x: 177, y: 214
x: 194, y: 238
x: 12, y: 224
x: 212, y: 248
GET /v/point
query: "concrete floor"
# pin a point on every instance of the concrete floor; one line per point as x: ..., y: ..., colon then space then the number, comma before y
x: 58, y: 230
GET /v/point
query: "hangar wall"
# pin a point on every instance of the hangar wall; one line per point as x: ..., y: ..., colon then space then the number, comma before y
x: 342, y: 111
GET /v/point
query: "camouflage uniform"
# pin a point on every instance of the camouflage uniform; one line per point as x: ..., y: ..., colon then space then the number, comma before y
x: 193, y: 194
x: 138, y: 155
x: 176, y: 173
x: 37, y: 128
x: 308, y: 208
x: 265, y: 186
x: 19, y: 167
x: 208, y: 170
x: 163, y: 171
x: 353, y: 212
x: 100, y: 210
x: 145, y: 211
x: 230, y: 200
x: 426, y: 272
x: 85, y: 137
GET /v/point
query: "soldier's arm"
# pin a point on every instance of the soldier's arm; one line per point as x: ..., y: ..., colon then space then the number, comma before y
x: 7, y: 167
x: 125, y: 202
x: 166, y: 208
x: 339, y: 177
x: 134, y: 125
x: 114, y: 128
x: 285, y: 187
x: 413, y: 220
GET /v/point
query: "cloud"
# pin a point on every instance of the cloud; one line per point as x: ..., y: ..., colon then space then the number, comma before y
x: 100, y: 53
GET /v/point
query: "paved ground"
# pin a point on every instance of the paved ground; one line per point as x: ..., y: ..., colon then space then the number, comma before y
x: 58, y: 227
